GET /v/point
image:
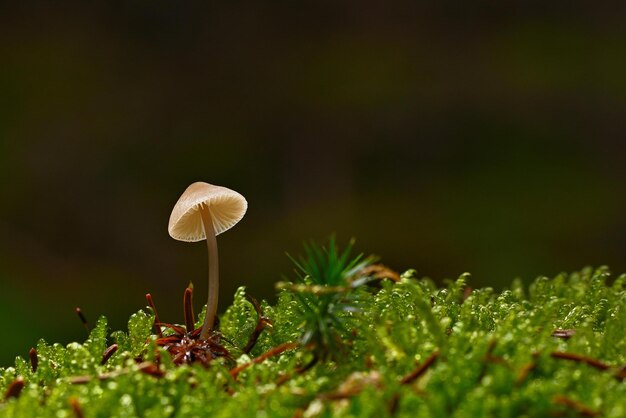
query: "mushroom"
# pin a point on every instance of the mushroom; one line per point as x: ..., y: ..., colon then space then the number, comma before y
x: 202, y: 212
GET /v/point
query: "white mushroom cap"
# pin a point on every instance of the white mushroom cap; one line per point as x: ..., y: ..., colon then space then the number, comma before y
x: 227, y: 208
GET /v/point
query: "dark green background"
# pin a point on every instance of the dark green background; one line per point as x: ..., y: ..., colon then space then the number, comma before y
x: 444, y: 137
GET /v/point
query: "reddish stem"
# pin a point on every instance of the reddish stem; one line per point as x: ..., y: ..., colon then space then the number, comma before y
x: 15, y: 388
x: 414, y: 375
x: 82, y: 318
x: 34, y: 359
x: 190, y: 322
x: 580, y: 359
x: 279, y: 349
x: 262, y: 323
x: 579, y: 407
x: 155, y: 327
x: 78, y: 411
x: 108, y: 353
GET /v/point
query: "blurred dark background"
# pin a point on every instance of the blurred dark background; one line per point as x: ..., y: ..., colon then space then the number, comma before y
x: 444, y: 137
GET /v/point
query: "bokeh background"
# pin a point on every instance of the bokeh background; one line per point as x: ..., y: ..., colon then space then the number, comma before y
x: 443, y: 137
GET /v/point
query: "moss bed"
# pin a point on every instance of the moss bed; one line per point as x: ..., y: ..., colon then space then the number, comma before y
x: 352, y: 338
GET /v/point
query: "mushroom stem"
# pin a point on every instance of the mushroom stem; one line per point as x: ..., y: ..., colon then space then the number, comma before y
x: 211, y: 308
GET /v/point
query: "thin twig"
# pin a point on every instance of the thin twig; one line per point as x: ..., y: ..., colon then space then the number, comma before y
x: 262, y: 323
x: 300, y: 370
x: 421, y: 369
x: 526, y: 369
x: 619, y: 372
x: 270, y: 353
x: 579, y: 407
x: 580, y: 359
x: 378, y: 272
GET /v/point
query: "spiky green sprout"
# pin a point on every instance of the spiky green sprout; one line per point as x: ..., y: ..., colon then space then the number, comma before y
x: 325, y: 291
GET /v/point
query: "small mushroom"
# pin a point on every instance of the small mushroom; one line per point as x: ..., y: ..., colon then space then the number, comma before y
x: 202, y: 212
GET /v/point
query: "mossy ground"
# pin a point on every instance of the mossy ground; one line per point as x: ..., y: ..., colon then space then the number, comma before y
x: 408, y: 349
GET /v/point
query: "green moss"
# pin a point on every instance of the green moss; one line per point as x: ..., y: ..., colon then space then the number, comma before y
x: 493, y: 354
